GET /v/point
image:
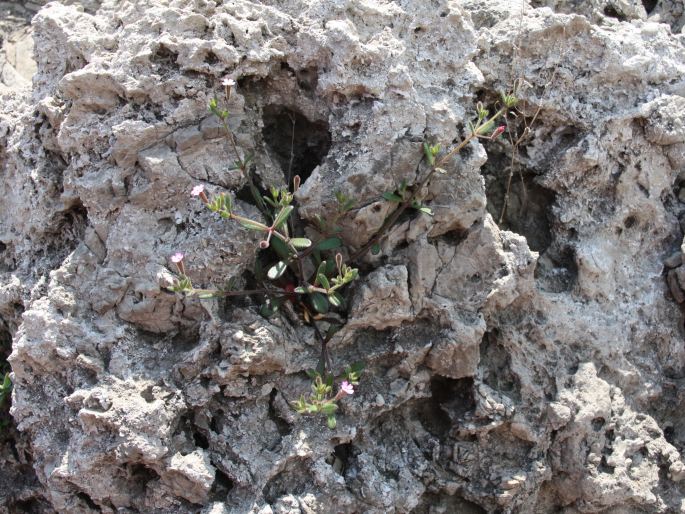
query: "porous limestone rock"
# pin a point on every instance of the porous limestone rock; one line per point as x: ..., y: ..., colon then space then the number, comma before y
x: 524, y: 346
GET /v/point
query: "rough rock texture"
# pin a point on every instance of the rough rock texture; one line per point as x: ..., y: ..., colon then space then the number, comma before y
x: 524, y: 346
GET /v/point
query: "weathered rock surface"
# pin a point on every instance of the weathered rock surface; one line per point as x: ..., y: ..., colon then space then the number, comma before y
x: 524, y: 346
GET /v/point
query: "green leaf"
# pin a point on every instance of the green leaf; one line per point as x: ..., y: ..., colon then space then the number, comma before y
x: 207, y: 295
x: 329, y: 244
x: 300, y: 290
x: 427, y: 151
x: 328, y: 409
x: 312, y: 373
x: 392, y: 197
x: 319, y: 302
x: 426, y: 210
x: 300, y: 242
x: 268, y: 309
x: 331, y: 422
x: 276, y: 271
x: 253, y: 225
x: 335, y: 299
x: 321, y: 270
x: 281, y: 249
x: 375, y: 249
x: 323, y: 281
x: 330, y: 267
x: 282, y: 216
x: 486, y: 128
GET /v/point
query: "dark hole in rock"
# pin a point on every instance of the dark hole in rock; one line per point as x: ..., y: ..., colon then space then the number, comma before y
x: 222, y: 485
x: 141, y: 473
x: 455, y: 396
x: 3, y: 247
x: 604, y: 467
x: 556, y: 270
x: 495, y: 365
x: 164, y: 55
x: 139, y: 476
x: 290, y: 136
x: 649, y: 5
x: 431, y: 503
x: 437, y: 414
x: 340, y: 458
x: 28, y: 506
x: 88, y: 501
x: 597, y: 424
x: 630, y: 222
x: 214, y: 425
x: 211, y: 58
x: 528, y: 205
x: 283, y: 426
x: 200, y: 440
x: 611, y: 11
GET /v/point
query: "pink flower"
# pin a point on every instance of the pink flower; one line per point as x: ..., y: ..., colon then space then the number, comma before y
x: 177, y: 257
x: 346, y: 387
x: 228, y: 82
x: 197, y: 190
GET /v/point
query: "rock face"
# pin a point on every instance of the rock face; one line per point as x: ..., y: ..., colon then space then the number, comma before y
x: 524, y: 346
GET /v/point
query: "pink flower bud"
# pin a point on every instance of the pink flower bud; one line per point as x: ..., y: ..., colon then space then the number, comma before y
x: 498, y: 131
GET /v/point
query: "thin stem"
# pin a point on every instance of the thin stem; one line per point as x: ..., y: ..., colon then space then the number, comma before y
x: 389, y: 222
x: 231, y: 139
x: 218, y: 292
x: 292, y: 153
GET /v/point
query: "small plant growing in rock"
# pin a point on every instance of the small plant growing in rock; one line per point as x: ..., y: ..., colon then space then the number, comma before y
x: 306, y: 272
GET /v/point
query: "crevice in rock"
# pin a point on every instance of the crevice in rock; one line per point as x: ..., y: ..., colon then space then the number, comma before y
x: 139, y: 476
x: 222, y: 485
x: 340, y: 458
x: 89, y: 501
x: 495, y: 366
x: 649, y: 5
x: 431, y: 503
x: 294, y: 480
x: 65, y: 231
x: 454, y: 396
x: 290, y: 136
x: 611, y: 12
x: 283, y: 426
x: 528, y: 207
x: 164, y: 56
x: 556, y: 270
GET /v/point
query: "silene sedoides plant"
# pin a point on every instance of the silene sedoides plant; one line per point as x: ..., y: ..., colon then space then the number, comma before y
x: 303, y: 270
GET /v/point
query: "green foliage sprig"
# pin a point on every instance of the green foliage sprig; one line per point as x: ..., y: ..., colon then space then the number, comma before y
x: 311, y: 277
